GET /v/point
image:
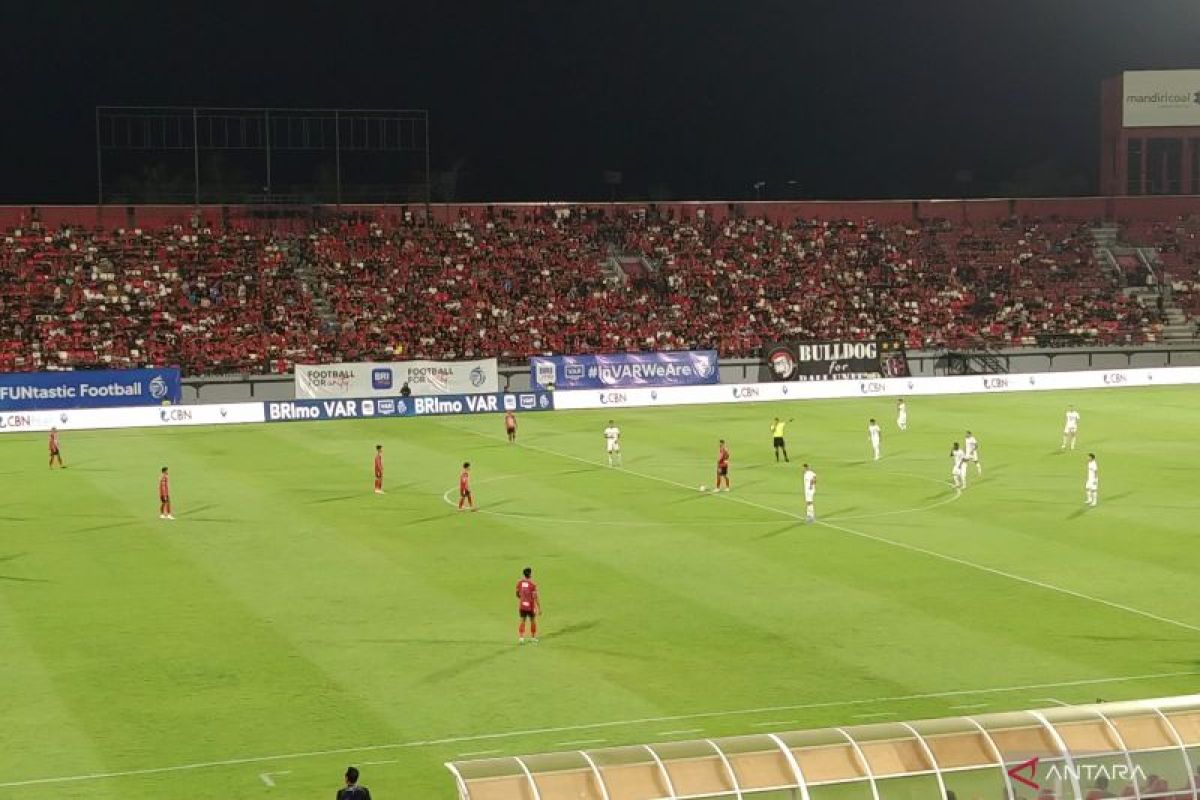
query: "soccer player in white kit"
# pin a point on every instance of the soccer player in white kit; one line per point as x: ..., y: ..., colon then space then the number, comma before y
x: 1070, y: 428
x: 612, y: 440
x: 1091, y: 487
x: 971, y: 446
x: 958, y: 472
x: 810, y: 493
x: 873, y: 435
x: 901, y: 415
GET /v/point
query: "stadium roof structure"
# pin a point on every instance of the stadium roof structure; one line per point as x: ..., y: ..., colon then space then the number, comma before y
x: 1139, y: 749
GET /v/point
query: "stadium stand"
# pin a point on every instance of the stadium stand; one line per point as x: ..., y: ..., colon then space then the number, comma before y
x: 377, y: 285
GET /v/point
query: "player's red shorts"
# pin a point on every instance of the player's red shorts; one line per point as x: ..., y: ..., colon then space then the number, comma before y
x: 722, y: 470
x: 53, y: 451
x: 164, y: 498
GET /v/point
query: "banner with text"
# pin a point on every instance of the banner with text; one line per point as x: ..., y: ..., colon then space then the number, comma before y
x: 1161, y: 98
x: 374, y: 407
x: 827, y: 361
x: 100, y: 388
x: 623, y: 370
x: 386, y: 379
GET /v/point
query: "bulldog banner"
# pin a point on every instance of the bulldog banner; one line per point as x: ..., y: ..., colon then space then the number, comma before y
x: 839, y: 360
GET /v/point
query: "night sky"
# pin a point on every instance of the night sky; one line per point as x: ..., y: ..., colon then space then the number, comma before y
x: 535, y: 100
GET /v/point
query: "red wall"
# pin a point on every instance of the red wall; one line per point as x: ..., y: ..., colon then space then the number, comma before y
x: 1080, y: 208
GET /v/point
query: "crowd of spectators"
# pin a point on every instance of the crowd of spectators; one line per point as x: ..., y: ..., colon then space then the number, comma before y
x: 211, y: 302
x: 516, y: 284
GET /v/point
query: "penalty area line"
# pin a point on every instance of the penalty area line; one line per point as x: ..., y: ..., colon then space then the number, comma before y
x: 483, y: 737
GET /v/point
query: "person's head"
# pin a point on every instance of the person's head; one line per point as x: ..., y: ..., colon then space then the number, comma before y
x: 872, y: 420
x: 164, y: 470
x: 611, y: 423
x: 806, y: 466
x: 466, y: 465
x: 1091, y: 456
x: 722, y: 443
x: 527, y: 572
x: 378, y: 448
x: 777, y: 419
x: 954, y: 446
x: 899, y: 401
x: 968, y: 433
x: 53, y: 429
x: 351, y: 776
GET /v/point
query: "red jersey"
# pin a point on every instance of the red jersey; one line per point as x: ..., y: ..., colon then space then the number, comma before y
x: 53, y: 441
x: 464, y: 482
x: 164, y: 488
x: 510, y: 421
x: 527, y: 596
x: 379, y: 465
x: 723, y: 457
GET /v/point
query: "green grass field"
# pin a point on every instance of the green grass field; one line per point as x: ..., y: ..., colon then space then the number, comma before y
x: 290, y: 622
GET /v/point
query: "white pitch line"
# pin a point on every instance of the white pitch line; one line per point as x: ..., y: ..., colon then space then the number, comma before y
x: 475, y: 753
x: 878, y: 714
x: 268, y: 777
x: 680, y: 733
x: 884, y: 540
x: 482, y: 737
x: 971, y: 705
x: 775, y: 724
x: 1054, y: 700
x: 376, y: 763
x: 578, y: 742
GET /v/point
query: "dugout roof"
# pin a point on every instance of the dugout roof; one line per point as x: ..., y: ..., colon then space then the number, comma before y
x: 1143, y: 749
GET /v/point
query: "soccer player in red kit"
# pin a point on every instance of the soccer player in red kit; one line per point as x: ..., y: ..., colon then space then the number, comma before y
x: 164, y: 496
x: 722, y: 467
x: 55, y: 453
x: 528, y: 606
x: 464, y: 487
x: 510, y: 425
x: 378, y: 469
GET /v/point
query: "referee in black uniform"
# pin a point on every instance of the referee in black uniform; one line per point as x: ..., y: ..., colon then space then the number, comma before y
x: 352, y: 791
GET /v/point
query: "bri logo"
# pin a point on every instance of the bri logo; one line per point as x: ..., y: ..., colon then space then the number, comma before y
x: 478, y: 376
x: 381, y: 378
x: 872, y: 387
x: 995, y: 383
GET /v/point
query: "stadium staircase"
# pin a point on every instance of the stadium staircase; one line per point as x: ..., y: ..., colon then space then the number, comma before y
x: 1128, y: 266
x: 304, y: 271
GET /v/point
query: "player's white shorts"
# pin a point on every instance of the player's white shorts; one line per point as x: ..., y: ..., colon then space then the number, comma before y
x: 614, y: 447
x: 809, y: 497
x: 1070, y: 429
x: 960, y: 470
x: 902, y: 419
x: 973, y: 457
x: 1091, y: 486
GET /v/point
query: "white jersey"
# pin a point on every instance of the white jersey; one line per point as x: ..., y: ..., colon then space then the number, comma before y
x: 901, y: 413
x: 1093, y: 476
x: 612, y: 437
x: 959, y: 457
x: 873, y: 432
x: 1072, y: 424
x: 810, y: 485
x: 972, y: 448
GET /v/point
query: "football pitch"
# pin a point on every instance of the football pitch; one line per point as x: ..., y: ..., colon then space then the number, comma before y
x: 290, y: 622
